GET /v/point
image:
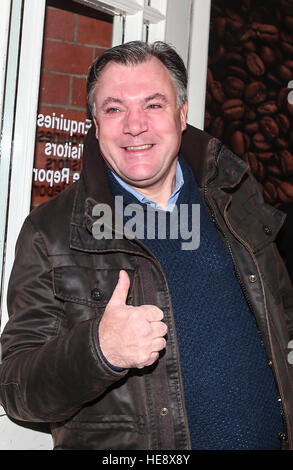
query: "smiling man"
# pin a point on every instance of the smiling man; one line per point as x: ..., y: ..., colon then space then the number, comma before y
x: 127, y: 342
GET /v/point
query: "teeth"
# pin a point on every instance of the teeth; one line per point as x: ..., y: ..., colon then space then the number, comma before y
x: 139, y: 147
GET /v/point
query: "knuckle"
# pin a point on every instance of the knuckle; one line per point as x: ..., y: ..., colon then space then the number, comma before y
x: 165, y: 329
x: 144, y: 358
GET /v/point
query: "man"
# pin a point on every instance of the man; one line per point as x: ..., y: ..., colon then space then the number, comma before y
x: 138, y: 342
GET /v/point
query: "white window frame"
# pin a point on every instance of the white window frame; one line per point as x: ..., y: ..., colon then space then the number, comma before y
x: 24, y: 132
x: 9, y: 40
x: 183, y: 23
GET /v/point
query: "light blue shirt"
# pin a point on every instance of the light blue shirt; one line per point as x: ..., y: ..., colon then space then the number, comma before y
x: 144, y: 200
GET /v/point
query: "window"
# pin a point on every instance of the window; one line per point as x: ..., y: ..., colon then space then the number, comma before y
x: 73, y: 36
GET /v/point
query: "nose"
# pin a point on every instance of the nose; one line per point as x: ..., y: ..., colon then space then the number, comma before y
x: 135, y: 122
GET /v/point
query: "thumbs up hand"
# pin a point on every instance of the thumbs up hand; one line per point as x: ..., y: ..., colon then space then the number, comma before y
x: 131, y: 336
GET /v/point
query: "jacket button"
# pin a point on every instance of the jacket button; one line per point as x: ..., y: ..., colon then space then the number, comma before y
x: 96, y: 294
x: 164, y: 411
x: 252, y: 278
x: 267, y: 230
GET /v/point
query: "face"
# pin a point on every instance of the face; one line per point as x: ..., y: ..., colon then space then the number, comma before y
x: 138, y: 122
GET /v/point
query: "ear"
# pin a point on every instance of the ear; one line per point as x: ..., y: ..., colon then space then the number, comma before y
x: 183, y: 115
x: 97, y: 127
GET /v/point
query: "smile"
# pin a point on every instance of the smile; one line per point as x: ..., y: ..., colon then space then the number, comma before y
x: 139, y: 147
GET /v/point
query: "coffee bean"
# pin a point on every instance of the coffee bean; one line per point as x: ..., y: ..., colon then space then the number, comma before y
x: 284, y: 72
x: 210, y: 78
x: 207, y: 119
x: 282, y: 99
x: 281, y: 143
x: 269, y: 107
x: 270, y: 192
x: 289, y: 64
x: 234, y: 58
x: 273, y: 81
x: 250, y: 114
x: 286, y: 159
x: 266, y: 32
x: 234, y: 20
x: 234, y: 87
x: 286, y: 43
x: 274, y: 169
x: 217, y: 91
x: 255, y: 93
x: 220, y: 26
x: 261, y: 172
x: 288, y: 22
x: 269, y: 127
x: 285, y: 191
x: 236, y: 71
x: 233, y: 109
x: 260, y: 142
x: 249, y: 46
x: 252, y: 127
x: 265, y: 155
x: 268, y: 55
x: 238, y: 143
x: 217, y: 127
x: 252, y: 161
x: 247, y: 36
x: 255, y: 64
x: 283, y: 123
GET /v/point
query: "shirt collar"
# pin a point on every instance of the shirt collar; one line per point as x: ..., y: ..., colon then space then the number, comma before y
x: 144, y: 200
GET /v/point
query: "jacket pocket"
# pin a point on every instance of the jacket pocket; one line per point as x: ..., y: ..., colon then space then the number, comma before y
x: 87, y: 286
x: 86, y: 291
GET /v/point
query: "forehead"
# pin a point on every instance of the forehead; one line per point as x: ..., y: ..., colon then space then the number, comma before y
x: 146, y: 78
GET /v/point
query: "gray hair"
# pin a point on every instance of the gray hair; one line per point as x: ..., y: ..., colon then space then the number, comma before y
x: 134, y: 53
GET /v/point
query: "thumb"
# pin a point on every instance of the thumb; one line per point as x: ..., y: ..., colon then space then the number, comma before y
x: 120, y: 292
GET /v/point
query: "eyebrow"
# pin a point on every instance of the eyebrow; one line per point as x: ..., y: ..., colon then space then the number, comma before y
x: 155, y: 96
x: 111, y: 99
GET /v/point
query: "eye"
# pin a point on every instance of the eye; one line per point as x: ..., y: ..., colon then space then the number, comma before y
x: 154, y: 106
x: 112, y: 110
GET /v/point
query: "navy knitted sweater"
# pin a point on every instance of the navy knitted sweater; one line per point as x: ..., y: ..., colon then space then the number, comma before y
x: 230, y: 392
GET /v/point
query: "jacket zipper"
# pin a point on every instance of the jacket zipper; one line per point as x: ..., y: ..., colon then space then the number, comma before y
x: 283, y: 435
x: 152, y: 258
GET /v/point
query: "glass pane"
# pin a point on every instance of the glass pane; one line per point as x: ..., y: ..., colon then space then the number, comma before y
x: 74, y: 35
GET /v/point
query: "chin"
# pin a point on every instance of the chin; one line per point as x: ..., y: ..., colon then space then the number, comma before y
x: 139, y: 176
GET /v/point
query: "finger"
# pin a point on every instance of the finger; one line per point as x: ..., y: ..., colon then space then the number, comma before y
x: 153, y: 313
x: 153, y: 357
x: 159, y: 329
x: 120, y: 292
x: 158, y: 344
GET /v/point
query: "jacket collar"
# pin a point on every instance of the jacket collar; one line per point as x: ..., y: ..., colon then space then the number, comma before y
x: 214, y: 166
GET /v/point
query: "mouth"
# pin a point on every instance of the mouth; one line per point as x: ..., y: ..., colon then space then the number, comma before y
x: 138, y: 147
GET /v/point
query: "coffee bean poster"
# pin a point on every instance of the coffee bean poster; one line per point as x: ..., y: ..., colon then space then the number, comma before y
x: 249, y: 95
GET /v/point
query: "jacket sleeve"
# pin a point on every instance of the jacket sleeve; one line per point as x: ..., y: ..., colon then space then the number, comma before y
x: 46, y: 373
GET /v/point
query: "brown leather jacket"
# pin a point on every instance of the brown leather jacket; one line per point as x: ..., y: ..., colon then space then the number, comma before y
x: 62, y: 279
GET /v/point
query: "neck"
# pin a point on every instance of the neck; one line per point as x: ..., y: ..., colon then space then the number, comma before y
x: 161, y: 191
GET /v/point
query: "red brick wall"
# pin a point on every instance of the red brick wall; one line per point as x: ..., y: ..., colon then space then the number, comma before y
x: 71, y: 42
